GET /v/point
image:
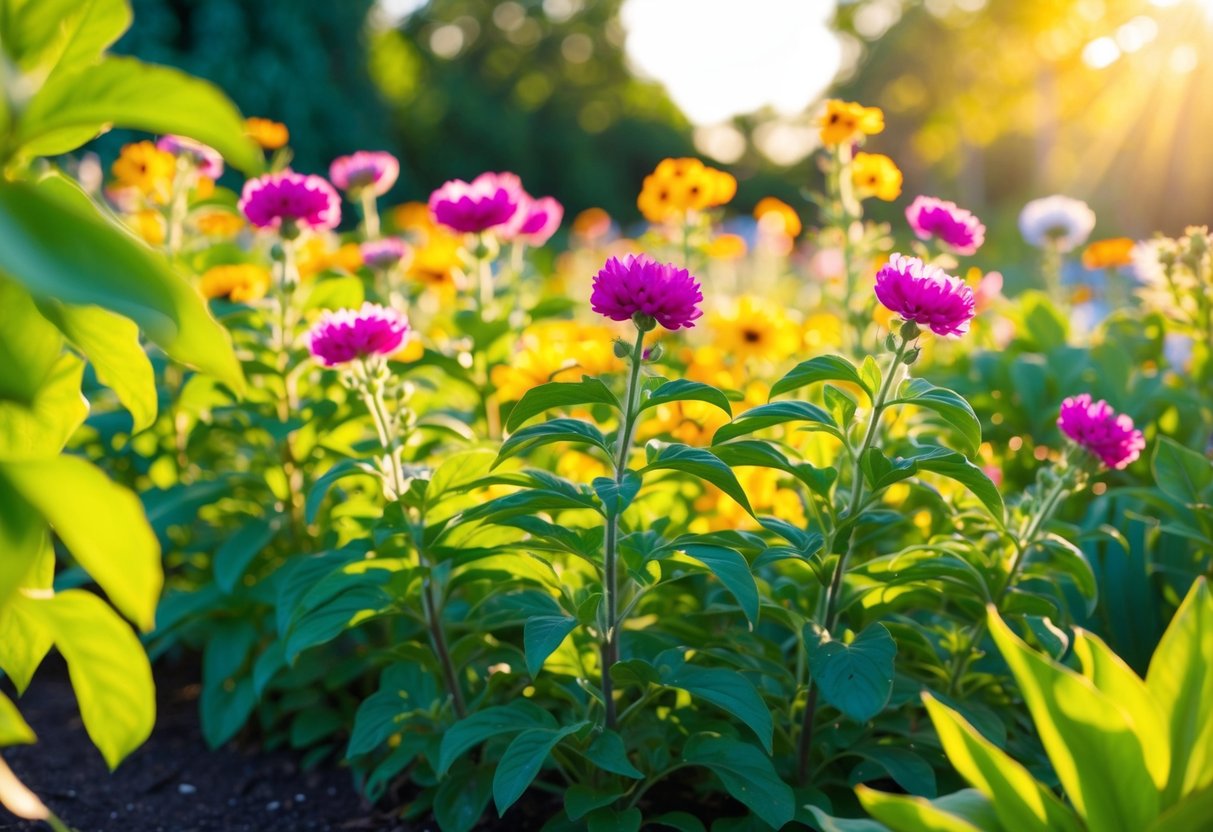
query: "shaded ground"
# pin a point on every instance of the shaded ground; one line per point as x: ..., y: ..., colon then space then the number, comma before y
x: 173, y: 783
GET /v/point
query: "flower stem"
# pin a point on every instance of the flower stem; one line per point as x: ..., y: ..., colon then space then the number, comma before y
x: 288, y: 404
x: 370, y: 214
x: 610, y: 591
x: 834, y: 590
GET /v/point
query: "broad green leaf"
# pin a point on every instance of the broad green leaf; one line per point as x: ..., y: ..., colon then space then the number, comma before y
x: 701, y: 464
x: 1087, y: 736
x: 732, y: 570
x: 554, y: 430
x: 1180, y: 678
x: 580, y: 800
x: 1182, y: 474
x: 948, y: 405
x: 560, y: 394
x: 880, y: 471
x: 617, y: 496
x: 522, y: 760
x: 830, y: 824
x: 821, y: 368
x: 404, y: 688
x: 29, y: 345
x: 346, y: 610
x: 233, y: 558
x: 957, y: 467
x: 55, y: 243
x: 1192, y: 812
x: 1020, y: 801
x: 461, y: 799
x: 541, y: 635
x: 223, y: 711
x: 747, y: 774
x: 907, y: 768
x: 966, y: 811
x: 122, y: 92
x: 684, y: 390
x: 320, y: 488
x: 776, y: 413
x: 615, y: 820
x: 608, y: 752
x: 228, y: 697
x: 726, y: 689
x: 855, y: 678
x: 109, y: 671
x: 1064, y: 558
x: 22, y: 540
x: 458, y: 471
x: 14, y: 730
x: 44, y: 428
x: 111, y: 344
x: 495, y: 721
x: 103, y: 526
x: 56, y: 35
x: 24, y: 642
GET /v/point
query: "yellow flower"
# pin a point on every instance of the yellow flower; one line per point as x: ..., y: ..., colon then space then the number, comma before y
x: 555, y: 351
x: 204, y: 188
x: 846, y: 121
x: 717, y: 511
x: 875, y: 174
x: 822, y: 331
x: 219, y: 223
x: 271, y: 135
x: 145, y: 168
x: 412, y: 216
x: 727, y: 247
x: 239, y: 282
x: 754, y: 328
x: 579, y: 467
x: 1106, y: 254
x: 777, y: 216
x: 315, y: 255
x: 149, y: 225
x: 347, y: 258
x: 435, y: 260
x: 677, y: 186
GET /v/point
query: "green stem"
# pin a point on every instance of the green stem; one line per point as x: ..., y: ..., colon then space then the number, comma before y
x: 178, y: 207
x: 370, y: 214
x: 288, y: 403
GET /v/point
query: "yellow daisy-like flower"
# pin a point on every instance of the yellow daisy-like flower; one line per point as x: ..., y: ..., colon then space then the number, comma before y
x: 219, y: 224
x: 847, y: 121
x: 677, y: 186
x: 875, y: 174
x: 204, y: 188
x: 316, y: 255
x: 776, y: 216
x: 822, y: 331
x: 755, y: 329
x: 145, y: 168
x: 727, y: 247
x: 149, y: 225
x: 412, y: 216
x: 555, y: 351
x: 1107, y: 254
x: 717, y: 511
x: 271, y: 135
x: 239, y: 282
x: 436, y: 260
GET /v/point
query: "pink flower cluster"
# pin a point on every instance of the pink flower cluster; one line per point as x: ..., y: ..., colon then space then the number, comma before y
x: 346, y: 335
x: 637, y: 284
x: 955, y: 227
x: 926, y: 295
x: 203, y: 157
x: 1101, y: 431
x: 373, y: 170
x: 383, y: 253
x: 288, y: 197
x: 496, y: 201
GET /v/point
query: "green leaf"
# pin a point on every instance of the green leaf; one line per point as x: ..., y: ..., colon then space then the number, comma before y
x: 520, y: 763
x: 966, y: 811
x: 109, y: 671
x: 881, y: 472
x: 24, y: 643
x: 682, y: 821
x: 615, y: 820
x: 1193, y: 812
x: 228, y: 697
x: 554, y: 430
x: 55, y: 243
x: 869, y: 371
x: 821, y: 368
x: 22, y: 540
x: 320, y: 488
x: 684, y: 390
x: 74, y: 106
x: 776, y: 413
x: 560, y: 394
x: 495, y: 721
x: 956, y: 467
x: 54, y: 35
x: 732, y: 570
x: 541, y: 635
x: 344, y: 611
x: 1087, y: 736
x: 111, y: 344
x: 726, y: 689
x: 1020, y: 801
x: 1180, y: 678
x: 405, y: 688
x: 458, y: 471
x: 747, y: 775
x: 233, y: 558
x: 580, y: 800
x: 1067, y: 559
x: 43, y: 428
x: 1181, y: 474
x: 829, y: 824
x: 29, y: 345
x: 617, y: 496
x: 103, y: 526
x: 14, y: 730
x: 608, y: 752
x: 702, y: 464
x: 462, y: 798
x: 948, y: 405
x: 855, y: 678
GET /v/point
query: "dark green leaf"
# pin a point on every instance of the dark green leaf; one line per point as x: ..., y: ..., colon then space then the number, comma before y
x: 462, y: 798
x: 1182, y: 474
x: 555, y: 430
x: 821, y: 368
x: 608, y: 752
x: 948, y: 405
x: 523, y: 759
x: 496, y: 721
x: 726, y: 689
x: 702, y: 464
x: 733, y: 571
x: 560, y: 394
x: 776, y: 413
x: 684, y: 390
x: 747, y: 775
x: 541, y: 635
x: 855, y: 678
x: 237, y: 552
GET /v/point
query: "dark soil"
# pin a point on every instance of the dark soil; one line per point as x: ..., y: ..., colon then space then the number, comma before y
x: 174, y: 782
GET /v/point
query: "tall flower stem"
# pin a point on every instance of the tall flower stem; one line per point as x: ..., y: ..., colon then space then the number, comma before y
x: 370, y: 214
x: 834, y: 590
x: 288, y: 403
x: 178, y: 207
x: 610, y: 553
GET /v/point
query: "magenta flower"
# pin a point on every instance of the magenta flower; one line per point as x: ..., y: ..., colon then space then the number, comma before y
x: 639, y: 285
x: 535, y: 221
x: 203, y: 157
x: 955, y: 227
x: 1101, y: 431
x: 384, y: 253
x: 345, y: 335
x: 489, y: 200
x: 375, y: 170
x: 292, y: 198
x: 925, y: 295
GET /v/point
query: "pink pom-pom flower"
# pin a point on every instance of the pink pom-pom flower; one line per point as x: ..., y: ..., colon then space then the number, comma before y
x: 1101, y: 431
x: 346, y: 335
x: 373, y: 170
x: 203, y: 157
x: 292, y: 198
x: 953, y: 226
x: 383, y: 253
x: 535, y: 221
x: 926, y: 295
x: 488, y: 201
x: 639, y: 285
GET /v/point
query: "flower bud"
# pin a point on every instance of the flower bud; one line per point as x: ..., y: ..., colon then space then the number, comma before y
x: 645, y: 323
x: 910, y: 331
x: 621, y: 349
x: 890, y: 342
x: 653, y: 353
x: 911, y: 356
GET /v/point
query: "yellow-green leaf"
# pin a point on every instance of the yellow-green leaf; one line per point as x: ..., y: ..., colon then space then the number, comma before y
x: 14, y: 730
x: 964, y: 811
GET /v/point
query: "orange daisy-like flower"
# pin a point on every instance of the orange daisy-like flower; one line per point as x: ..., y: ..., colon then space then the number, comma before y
x: 1108, y: 254
x: 239, y: 282
x: 777, y: 216
x: 847, y: 121
x: 875, y: 174
x: 219, y: 223
x: 271, y: 135
x: 143, y: 167
x: 677, y: 186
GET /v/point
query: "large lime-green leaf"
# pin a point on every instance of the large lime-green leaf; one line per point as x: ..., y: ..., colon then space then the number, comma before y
x: 24, y: 642
x: 54, y: 242
x: 42, y: 429
x: 1021, y: 802
x: 1088, y: 736
x: 110, y: 672
x: 111, y: 344
x: 124, y: 92
x: 56, y: 35
x: 29, y: 345
x: 1193, y: 812
x: 101, y: 523
x: 963, y: 811
x: 1180, y: 677
x: 13, y: 728
x: 22, y: 537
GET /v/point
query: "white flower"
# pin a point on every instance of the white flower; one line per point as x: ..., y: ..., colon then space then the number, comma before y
x: 1060, y: 220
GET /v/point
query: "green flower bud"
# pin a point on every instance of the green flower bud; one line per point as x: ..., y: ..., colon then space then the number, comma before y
x: 910, y: 331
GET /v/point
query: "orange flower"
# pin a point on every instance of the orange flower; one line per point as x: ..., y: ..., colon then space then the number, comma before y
x: 777, y: 216
x: 143, y: 167
x: 412, y: 216
x: 1108, y: 254
x: 727, y: 247
x: 219, y: 223
x: 149, y: 225
x: 677, y: 186
x: 239, y: 282
x: 271, y: 135
x: 846, y: 121
x: 875, y: 174
x: 592, y: 224
x: 435, y: 260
